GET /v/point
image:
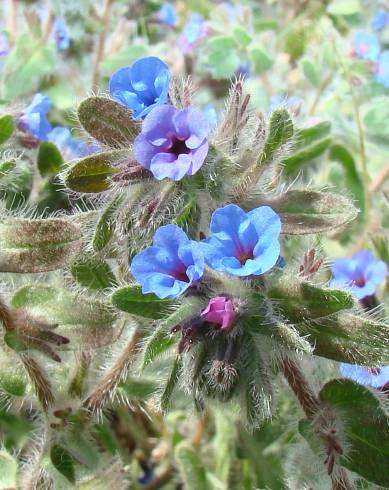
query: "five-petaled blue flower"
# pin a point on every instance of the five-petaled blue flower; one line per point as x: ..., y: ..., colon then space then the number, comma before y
x: 360, y: 274
x: 61, y: 34
x: 375, y: 377
x: 380, y: 20
x: 243, y: 244
x: 382, y: 69
x: 173, y: 142
x: 34, y: 120
x: 167, y: 15
x: 141, y: 86
x: 367, y: 46
x: 170, y: 266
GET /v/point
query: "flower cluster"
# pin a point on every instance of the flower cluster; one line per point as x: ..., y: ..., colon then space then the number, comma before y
x: 360, y: 274
x: 241, y: 244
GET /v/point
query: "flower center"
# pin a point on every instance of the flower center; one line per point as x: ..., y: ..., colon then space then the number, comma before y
x: 181, y: 275
x: 360, y: 282
x: 178, y: 147
x: 245, y: 256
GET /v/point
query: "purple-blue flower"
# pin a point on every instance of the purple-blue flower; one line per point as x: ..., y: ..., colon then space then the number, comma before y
x: 367, y: 46
x: 173, y: 142
x: 167, y: 15
x: 61, y: 34
x: 360, y: 274
x: 34, y: 118
x: 141, y: 86
x: 380, y: 20
x: 382, y: 69
x: 243, y: 244
x: 170, y: 266
x: 68, y: 145
x: 375, y: 377
x: 291, y: 103
x: 193, y: 31
x: 4, y: 45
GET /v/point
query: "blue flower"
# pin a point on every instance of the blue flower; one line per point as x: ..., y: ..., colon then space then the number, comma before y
x: 34, y: 120
x: 67, y: 144
x: 173, y: 142
x: 375, y: 377
x: 193, y: 31
x: 367, y: 46
x: 382, y: 69
x: 210, y: 114
x: 170, y: 266
x: 360, y: 274
x: 61, y: 34
x: 291, y: 103
x: 141, y: 86
x: 243, y: 244
x: 380, y: 20
x: 167, y: 15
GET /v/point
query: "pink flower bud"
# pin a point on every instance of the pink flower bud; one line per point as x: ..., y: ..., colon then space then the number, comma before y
x: 220, y: 311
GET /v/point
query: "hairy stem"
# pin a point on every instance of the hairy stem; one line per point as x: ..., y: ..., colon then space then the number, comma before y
x: 40, y: 381
x: 101, y: 43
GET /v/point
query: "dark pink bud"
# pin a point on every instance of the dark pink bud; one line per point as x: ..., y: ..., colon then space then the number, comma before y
x: 220, y: 311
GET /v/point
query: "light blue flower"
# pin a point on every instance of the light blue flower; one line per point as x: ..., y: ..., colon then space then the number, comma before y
x: 34, y: 117
x: 141, y: 86
x: 4, y: 45
x: 61, y: 34
x: 170, y: 266
x: 193, y: 31
x: 367, y: 46
x: 167, y: 15
x: 210, y: 114
x: 243, y: 244
x: 360, y: 274
x: 67, y: 144
x: 291, y: 103
x: 380, y: 20
x: 382, y: 69
x: 375, y: 377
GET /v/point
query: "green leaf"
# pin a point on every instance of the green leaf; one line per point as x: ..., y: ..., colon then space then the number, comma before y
x: 7, y: 127
x: 6, y: 167
x: 132, y: 300
x: 108, y: 122
x: 138, y: 389
x: 344, y: 7
x: 265, y: 24
x: 311, y: 73
x: 221, y: 56
x: 191, y: 467
x: 93, y: 273
x: 305, y: 212
x: 261, y: 61
x: 241, y: 36
x: 295, y: 41
x: 307, y: 136
x: 280, y: 133
x: 365, y: 424
x: 37, y: 245
x: 106, y: 225
x: 92, y: 174
x: 294, y: 163
x: 63, y: 462
x: 8, y: 471
x: 353, y: 180
x: 13, y: 380
x: 171, y: 383
x: 49, y: 159
x: 14, y: 342
x: 83, y: 319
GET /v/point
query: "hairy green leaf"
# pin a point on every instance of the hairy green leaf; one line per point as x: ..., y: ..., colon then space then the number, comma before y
x: 106, y: 225
x: 6, y: 167
x: 294, y: 163
x: 93, y: 273
x: 108, y: 122
x: 49, y: 159
x: 63, y: 462
x: 305, y: 212
x: 8, y: 471
x: 13, y: 380
x: 366, y: 426
x: 280, y: 132
x: 191, y: 467
x: 138, y: 389
x: 171, y: 383
x: 92, y: 174
x: 37, y: 245
x: 7, y: 127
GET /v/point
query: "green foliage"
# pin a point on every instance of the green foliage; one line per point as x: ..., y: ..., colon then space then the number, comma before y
x: 49, y: 159
x: 7, y: 127
x: 8, y: 470
x: 280, y: 132
x: 106, y: 224
x: 63, y: 462
x: 93, y: 273
x: 191, y: 467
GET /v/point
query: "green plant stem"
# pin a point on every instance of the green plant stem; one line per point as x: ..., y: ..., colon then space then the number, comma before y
x: 323, y: 85
x: 101, y: 43
x: 12, y: 20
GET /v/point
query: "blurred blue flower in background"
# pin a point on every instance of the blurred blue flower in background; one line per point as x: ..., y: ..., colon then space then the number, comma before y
x: 291, y: 103
x: 375, y: 377
x: 61, y: 34
x: 141, y: 86
x: 232, y: 11
x: 33, y: 119
x: 243, y: 244
x: 67, y: 144
x: 173, y: 142
x: 167, y: 15
x: 380, y: 20
x: 211, y: 115
x: 366, y: 45
x: 193, y: 31
x: 170, y: 266
x: 382, y: 69
x: 360, y: 274
x: 4, y: 45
